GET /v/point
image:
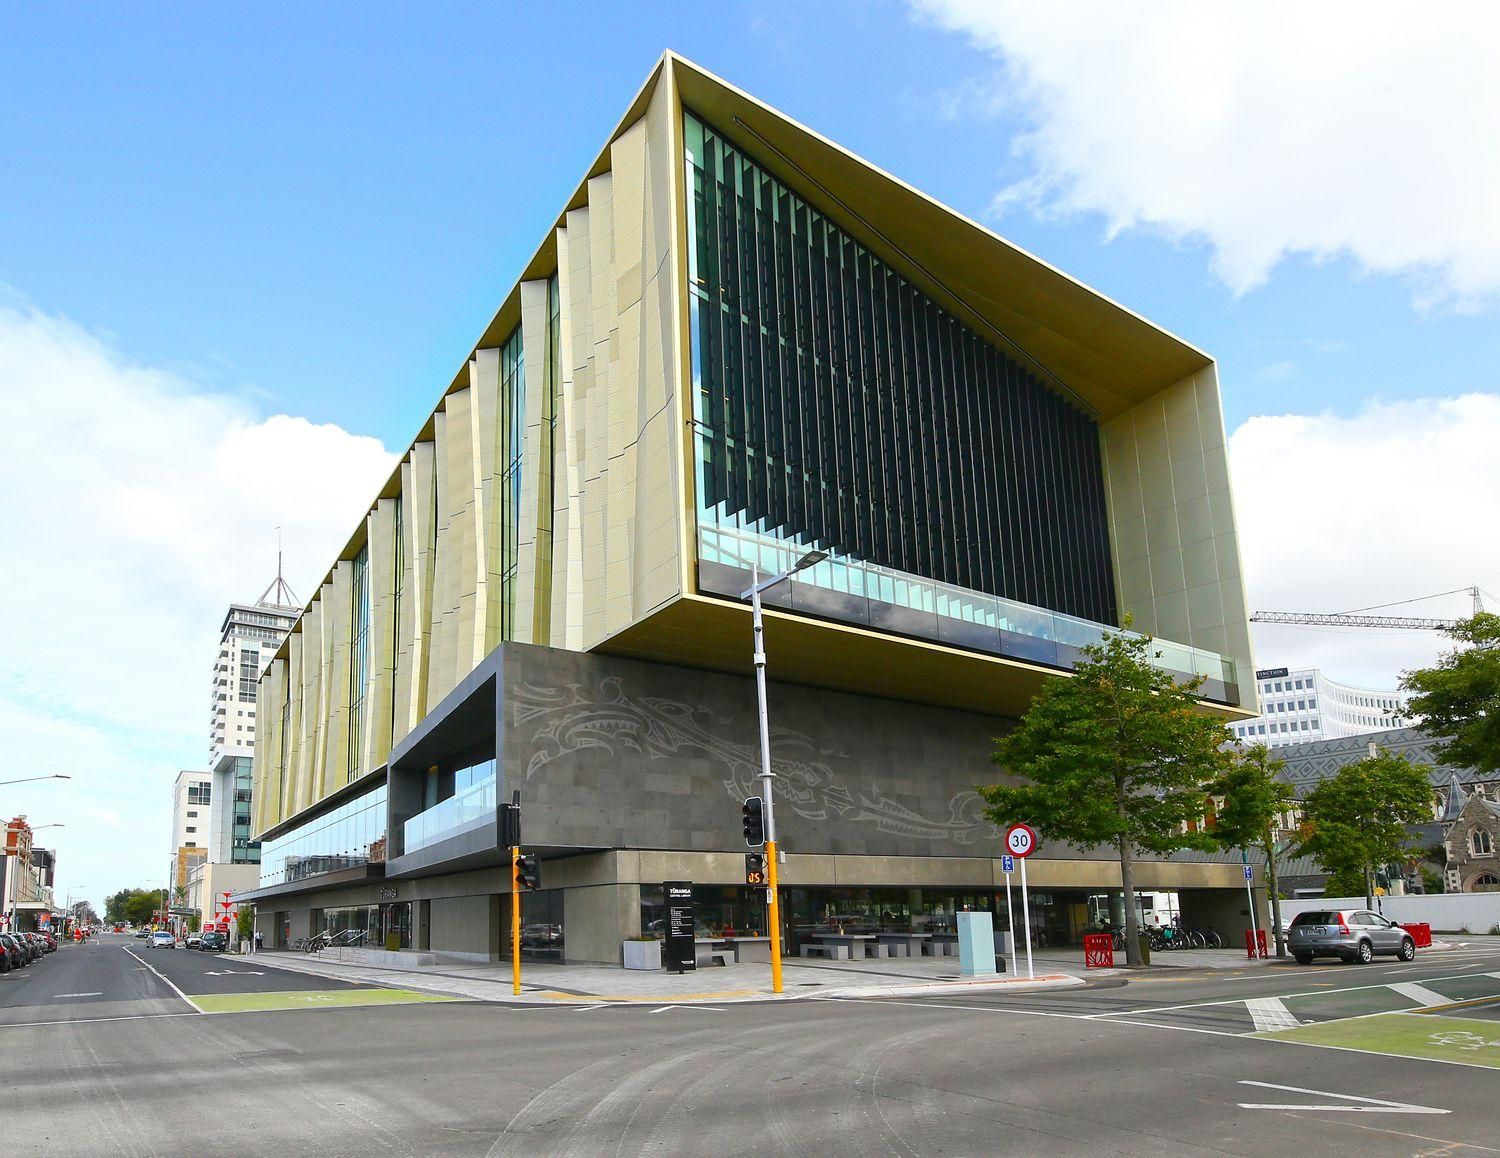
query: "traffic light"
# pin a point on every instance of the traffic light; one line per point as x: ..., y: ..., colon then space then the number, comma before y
x: 528, y: 871
x: 754, y: 813
x: 755, y: 868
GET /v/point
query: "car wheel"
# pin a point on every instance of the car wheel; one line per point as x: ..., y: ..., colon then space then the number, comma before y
x: 1364, y: 954
x: 1303, y: 958
x: 1408, y: 949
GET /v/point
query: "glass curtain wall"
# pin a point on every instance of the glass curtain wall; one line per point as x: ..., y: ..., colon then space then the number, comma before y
x: 348, y: 836
x: 359, y: 658
x: 838, y: 406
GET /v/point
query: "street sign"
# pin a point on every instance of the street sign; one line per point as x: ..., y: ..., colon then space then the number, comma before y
x: 1020, y: 839
x: 679, y: 954
x: 1007, y: 863
x: 1249, y: 873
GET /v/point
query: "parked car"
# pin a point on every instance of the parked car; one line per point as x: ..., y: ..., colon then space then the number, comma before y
x: 48, y: 939
x: 194, y: 940
x: 161, y: 939
x: 11, y: 956
x: 214, y: 942
x: 25, y: 951
x: 1349, y: 934
x: 142, y: 934
x: 38, y: 945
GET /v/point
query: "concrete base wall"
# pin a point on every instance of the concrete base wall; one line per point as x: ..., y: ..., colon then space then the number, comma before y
x: 597, y: 919
x: 466, y: 925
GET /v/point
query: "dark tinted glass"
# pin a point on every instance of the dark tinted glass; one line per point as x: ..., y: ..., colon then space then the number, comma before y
x: 1320, y: 918
x: 839, y: 405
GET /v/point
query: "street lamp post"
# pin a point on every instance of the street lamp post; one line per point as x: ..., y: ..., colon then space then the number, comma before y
x: 773, y: 901
x: 28, y: 779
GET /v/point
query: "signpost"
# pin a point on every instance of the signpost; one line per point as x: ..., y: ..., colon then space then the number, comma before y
x: 1020, y: 842
x: 1008, y: 866
x: 1250, y: 896
x: 679, y: 954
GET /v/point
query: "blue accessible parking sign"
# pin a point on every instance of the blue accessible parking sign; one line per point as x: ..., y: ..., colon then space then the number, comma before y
x: 1249, y: 873
x: 1007, y: 863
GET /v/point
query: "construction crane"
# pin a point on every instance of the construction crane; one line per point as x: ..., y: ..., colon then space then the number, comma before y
x: 1356, y: 619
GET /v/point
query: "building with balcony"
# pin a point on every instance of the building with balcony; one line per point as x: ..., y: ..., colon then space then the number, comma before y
x: 738, y: 343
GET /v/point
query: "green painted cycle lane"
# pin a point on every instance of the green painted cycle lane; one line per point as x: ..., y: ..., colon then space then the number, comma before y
x: 1421, y: 1036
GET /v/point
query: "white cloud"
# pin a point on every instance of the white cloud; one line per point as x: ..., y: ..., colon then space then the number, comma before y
x: 1337, y: 513
x: 1363, y: 129
x: 138, y: 505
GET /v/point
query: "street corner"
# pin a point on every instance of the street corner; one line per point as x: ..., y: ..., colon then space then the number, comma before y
x: 267, y: 1001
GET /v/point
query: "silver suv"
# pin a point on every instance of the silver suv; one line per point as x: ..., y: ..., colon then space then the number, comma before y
x: 1350, y: 934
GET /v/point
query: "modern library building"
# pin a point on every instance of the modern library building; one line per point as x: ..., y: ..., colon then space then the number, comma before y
x: 738, y: 344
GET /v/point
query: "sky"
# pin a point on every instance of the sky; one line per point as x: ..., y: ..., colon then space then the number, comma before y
x: 242, y: 251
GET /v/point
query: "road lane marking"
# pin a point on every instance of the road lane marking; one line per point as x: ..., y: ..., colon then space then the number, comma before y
x: 1420, y: 993
x: 168, y: 980
x: 1270, y: 1013
x: 704, y: 1008
x: 1369, y: 1106
x: 60, y: 996
x: 1144, y: 1010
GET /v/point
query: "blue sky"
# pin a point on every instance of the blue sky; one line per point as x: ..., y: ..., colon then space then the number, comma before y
x: 243, y: 250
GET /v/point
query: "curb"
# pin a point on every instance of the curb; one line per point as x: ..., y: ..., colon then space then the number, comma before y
x: 949, y: 988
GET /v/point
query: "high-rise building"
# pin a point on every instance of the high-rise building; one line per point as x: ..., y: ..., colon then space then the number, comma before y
x: 741, y: 351
x: 248, y: 638
x: 1302, y: 705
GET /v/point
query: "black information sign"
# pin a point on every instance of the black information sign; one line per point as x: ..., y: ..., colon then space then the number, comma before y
x: 1270, y: 673
x: 679, y: 953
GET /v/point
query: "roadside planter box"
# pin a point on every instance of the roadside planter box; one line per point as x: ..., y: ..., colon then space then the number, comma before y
x: 642, y: 954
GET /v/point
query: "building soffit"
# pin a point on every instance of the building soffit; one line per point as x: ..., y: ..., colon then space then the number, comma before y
x: 1107, y: 357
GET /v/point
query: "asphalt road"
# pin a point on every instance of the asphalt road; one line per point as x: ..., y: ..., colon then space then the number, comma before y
x: 1158, y: 1066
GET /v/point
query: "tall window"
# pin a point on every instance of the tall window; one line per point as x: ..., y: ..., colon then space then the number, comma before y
x: 398, y: 597
x: 1480, y: 842
x: 512, y: 437
x: 837, y: 405
x: 359, y: 656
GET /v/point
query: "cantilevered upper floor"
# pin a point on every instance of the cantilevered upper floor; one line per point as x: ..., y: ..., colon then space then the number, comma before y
x: 737, y: 343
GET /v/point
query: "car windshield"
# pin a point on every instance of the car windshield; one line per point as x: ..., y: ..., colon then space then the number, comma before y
x: 1316, y: 918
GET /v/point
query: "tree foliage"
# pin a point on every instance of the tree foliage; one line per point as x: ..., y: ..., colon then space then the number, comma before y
x: 133, y: 905
x: 1253, y: 796
x: 1358, y: 818
x: 1459, y: 699
x: 1118, y: 754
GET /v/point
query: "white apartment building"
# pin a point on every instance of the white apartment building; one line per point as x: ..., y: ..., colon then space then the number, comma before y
x: 248, y: 638
x: 1303, y: 705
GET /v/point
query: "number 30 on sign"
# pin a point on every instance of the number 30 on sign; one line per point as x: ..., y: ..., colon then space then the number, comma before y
x: 1020, y: 840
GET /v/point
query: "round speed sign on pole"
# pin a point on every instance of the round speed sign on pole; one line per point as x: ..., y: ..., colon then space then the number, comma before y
x: 1020, y: 840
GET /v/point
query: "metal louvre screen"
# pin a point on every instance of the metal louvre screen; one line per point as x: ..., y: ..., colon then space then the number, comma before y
x: 838, y: 406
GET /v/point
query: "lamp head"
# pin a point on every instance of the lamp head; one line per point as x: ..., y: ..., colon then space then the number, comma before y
x: 811, y: 559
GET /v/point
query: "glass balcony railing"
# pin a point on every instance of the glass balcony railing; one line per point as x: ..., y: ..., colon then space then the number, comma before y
x: 852, y: 591
x: 463, y: 810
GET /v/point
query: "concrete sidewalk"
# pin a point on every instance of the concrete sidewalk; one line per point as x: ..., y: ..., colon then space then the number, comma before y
x: 544, y: 983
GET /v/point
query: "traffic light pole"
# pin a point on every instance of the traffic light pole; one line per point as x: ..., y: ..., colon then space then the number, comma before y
x: 773, y: 900
x: 515, y: 920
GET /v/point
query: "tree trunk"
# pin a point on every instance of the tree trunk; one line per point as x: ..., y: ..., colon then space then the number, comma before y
x: 1273, y: 890
x: 1127, y: 884
x: 1369, y: 887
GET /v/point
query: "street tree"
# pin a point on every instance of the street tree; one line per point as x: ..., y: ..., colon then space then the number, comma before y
x: 1459, y: 699
x: 1253, y: 796
x: 1118, y: 754
x: 1358, y: 818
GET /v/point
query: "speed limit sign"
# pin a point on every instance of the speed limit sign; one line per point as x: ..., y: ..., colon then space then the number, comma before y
x: 1020, y: 840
